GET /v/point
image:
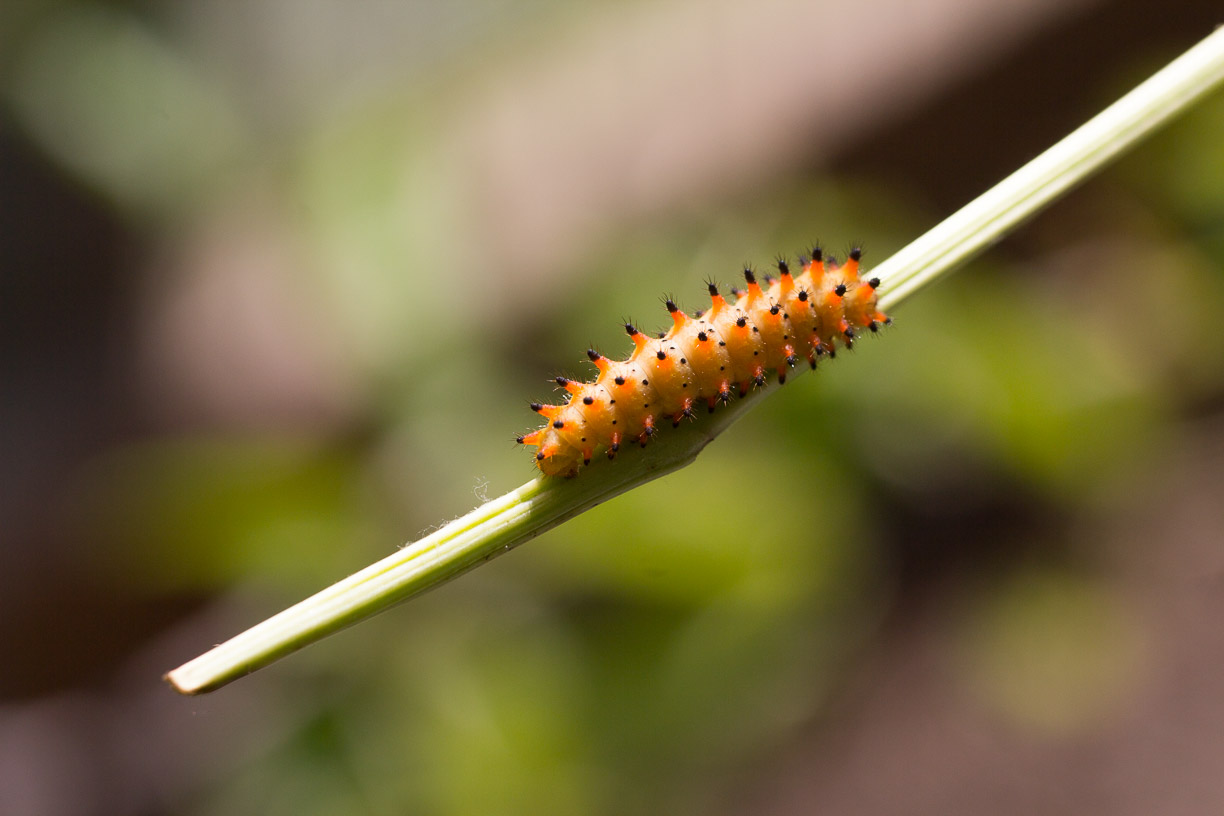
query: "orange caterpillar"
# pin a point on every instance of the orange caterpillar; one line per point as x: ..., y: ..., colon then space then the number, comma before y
x: 702, y: 358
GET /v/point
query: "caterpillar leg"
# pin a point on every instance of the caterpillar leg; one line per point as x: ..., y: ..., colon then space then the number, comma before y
x: 546, y: 452
x: 790, y: 359
x: 615, y: 446
x: 647, y: 431
x: 686, y: 412
x: 818, y: 349
x: 877, y: 319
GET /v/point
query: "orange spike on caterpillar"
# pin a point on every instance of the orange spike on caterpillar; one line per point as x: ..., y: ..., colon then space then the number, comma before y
x: 640, y: 341
x: 706, y: 357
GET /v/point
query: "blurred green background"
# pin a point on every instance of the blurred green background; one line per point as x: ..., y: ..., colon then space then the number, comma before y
x: 279, y: 279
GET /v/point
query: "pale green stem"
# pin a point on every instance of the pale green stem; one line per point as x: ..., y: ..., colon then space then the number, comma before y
x: 542, y: 503
x: 987, y: 218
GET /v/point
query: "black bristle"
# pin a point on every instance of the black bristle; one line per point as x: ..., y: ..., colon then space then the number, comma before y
x: 856, y: 253
x: 749, y: 275
x: 593, y: 354
x: 840, y: 291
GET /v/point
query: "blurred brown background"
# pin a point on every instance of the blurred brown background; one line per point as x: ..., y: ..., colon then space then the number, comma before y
x: 277, y: 280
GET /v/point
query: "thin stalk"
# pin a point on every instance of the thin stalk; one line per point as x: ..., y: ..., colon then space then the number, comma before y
x: 1003, y: 207
x: 503, y: 523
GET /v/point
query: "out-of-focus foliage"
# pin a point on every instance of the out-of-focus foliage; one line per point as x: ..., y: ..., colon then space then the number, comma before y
x: 344, y: 280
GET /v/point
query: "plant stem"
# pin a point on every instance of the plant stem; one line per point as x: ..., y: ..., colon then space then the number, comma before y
x: 504, y: 523
x: 988, y: 217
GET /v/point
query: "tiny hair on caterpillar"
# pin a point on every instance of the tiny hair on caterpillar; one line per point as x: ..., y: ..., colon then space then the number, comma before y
x: 707, y: 357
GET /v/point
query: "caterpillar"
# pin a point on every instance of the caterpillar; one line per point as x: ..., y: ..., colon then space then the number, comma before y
x: 702, y: 358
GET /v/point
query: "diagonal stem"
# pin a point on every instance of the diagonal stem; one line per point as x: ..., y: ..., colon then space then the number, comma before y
x: 502, y: 524
x: 1000, y: 209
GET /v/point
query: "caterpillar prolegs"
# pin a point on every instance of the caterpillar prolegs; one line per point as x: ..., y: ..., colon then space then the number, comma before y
x: 706, y: 358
